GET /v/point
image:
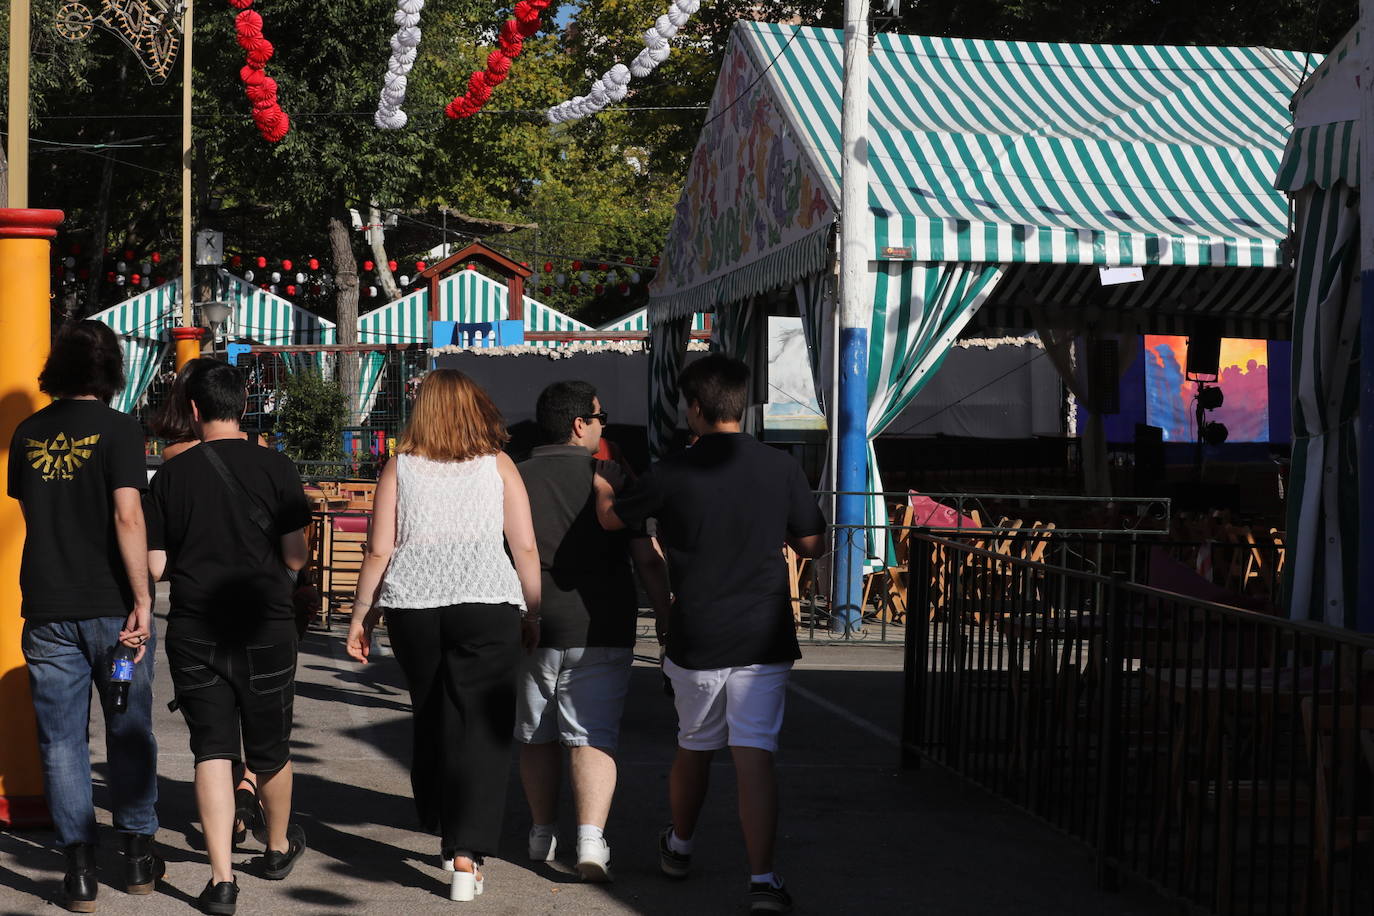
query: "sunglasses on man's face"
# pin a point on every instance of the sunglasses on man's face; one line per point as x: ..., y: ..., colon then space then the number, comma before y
x: 600, y: 417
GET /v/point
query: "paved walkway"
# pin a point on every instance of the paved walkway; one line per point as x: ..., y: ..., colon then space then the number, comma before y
x: 857, y: 835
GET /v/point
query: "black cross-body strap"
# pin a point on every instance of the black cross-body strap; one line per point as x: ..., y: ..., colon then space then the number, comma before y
x: 255, y: 511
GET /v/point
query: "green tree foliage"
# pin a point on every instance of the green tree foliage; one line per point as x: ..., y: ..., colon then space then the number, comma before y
x: 311, y: 417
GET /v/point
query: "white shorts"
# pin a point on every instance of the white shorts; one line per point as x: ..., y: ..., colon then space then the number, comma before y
x: 574, y: 696
x: 729, y: 707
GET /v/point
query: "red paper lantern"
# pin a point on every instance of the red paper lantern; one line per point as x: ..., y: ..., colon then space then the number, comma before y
x: 135, y: 278
x: 548, y: 267
x: 368, y: 265
x: 128, y: 254
x: 629, y: 260
x: 472, y: 267
x: 603, y: 267
x: 155, y: 257
x: 392, y: 265
x: 545, y: 291
x: 572, y: 290
x: 236, y: 261
x: 262, y: 262
x: 577, y: 265
x: 314, y: 263
x: 290, y: 289
x: 285, y: 264
x: 654, y: 260
x: 420, y: 267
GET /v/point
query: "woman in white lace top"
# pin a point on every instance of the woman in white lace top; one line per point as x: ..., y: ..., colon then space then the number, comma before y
x: 458, y: 610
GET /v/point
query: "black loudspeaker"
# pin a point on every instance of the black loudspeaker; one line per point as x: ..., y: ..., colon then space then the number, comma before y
x: 1204, y: 349
x: 1149, y: 459
x: 1104, y: 365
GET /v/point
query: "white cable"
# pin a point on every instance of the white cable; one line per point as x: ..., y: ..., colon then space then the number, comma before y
x: 404, y: 45
x: 615, y: 82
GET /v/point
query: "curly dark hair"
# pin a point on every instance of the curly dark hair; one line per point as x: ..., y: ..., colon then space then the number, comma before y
x: 85, y: 360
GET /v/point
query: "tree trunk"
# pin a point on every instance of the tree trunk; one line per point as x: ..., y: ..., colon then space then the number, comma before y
x: 346, y: 282
x: 4, y: 178
x: 377, y: 236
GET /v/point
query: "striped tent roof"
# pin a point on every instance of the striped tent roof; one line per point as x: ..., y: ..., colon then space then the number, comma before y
x: 466, y: 296
x: 1063, y: 153
x: 1324, y: 147
x: 638, y: 320
x: 256, y: 315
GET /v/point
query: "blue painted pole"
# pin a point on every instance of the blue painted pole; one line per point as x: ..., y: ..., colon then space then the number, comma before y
x: 855, y: 316
x: 852, y: 481
x: 1364, y: 612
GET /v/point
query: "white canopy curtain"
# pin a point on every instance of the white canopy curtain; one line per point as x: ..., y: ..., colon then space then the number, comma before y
x: 1323, y: 523
x: 918, y: 311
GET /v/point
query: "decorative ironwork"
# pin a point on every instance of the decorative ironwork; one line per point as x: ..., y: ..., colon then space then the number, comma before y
x: 149, y: 28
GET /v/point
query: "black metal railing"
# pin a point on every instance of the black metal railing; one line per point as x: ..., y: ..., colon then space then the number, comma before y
x: 1225, y: 755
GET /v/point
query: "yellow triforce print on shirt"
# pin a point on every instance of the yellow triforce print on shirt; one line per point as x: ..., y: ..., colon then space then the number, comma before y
x: 60, y: 458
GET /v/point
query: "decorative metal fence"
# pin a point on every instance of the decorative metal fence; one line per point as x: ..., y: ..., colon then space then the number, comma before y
x: 1225, y: 755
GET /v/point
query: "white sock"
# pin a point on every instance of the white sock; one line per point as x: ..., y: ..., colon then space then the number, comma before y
x: 544, y: 829
x: 678, y: 845
x: 770, y: 878
x: 589, y: 832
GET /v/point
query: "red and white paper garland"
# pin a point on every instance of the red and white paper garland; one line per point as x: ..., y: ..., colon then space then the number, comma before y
x: 260, y: 88
x: 615, y: 82
x: 404, y: 45
x: 509, y: 43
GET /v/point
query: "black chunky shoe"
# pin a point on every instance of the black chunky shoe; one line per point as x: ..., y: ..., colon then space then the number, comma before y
x: 80, y: 885
x: 277, y: 865
x: 219, y: 899
x: 142, y: 869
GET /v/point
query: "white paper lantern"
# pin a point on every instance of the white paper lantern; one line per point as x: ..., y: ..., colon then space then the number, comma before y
x: 69, y: 261
x: 276, y: 277
x: 300, y: 278
x: 248, y: 275
x: 121, y: 268
x: 405, y: 281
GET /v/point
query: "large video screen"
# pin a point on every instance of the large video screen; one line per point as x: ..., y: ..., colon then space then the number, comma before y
x: 1244, y: 383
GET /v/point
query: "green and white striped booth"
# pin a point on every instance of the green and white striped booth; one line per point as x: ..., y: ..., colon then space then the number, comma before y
x: 256, y: 316
x: 1320, y: 171
x: 986, y: 158
x: 466, y: 296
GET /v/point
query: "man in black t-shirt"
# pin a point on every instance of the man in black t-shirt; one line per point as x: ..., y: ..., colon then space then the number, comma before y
x: 77, y: 469
x: 573, y: 688
x: 725, y: 508
x: 226, y: 525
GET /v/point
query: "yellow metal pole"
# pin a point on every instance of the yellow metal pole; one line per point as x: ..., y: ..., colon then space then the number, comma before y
x: 187, y: 336
x: 24, y: 334
x: 18, y: 147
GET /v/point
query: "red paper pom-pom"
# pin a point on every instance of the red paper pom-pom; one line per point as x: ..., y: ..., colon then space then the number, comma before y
x: 576, y: 265
x: 545, y: 291
x: 510, y: 29
x: 128, y: 254
x: 368, y: 265
x: 524, y: 12
x: 624, y: 290
x: 135, y: 278
x: 472, y: 267
x: 492, y: 78
x: 599, y: 289
x: 629, y: 260
x: 248, y: 22
x: 392, y: 265
x: 314, y: 264
x: 155, y: 258
x: 236, y: 261
x: 528, y: 29
x: 603, y: 267
x: 572, y: 290
x: 498, y: 62
x: 548, y: 267
x: 654, y: 260
x: 419, y: 267
x: 240, y: 4
x: 290, y: 289
x: 262, y: 262
x: 285, y: 264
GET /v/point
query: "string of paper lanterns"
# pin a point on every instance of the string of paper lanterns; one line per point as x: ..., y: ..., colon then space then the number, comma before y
x: 272, y: 122
x: 510, y: 41
x: 614, y: 83
x: 404, y: 47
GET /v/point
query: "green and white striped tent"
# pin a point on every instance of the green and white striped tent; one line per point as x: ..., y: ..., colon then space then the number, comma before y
x: 1320, y: 171
x: 638, y: 320
x: 987, y: 158
x: 256, y: 316
x: 465, y: 296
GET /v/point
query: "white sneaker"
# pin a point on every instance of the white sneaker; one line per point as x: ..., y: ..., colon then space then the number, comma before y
x: 542, y: 846
x: 594, y: 859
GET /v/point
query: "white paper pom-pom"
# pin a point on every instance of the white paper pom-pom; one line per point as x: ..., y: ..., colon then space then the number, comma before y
x: 404, y: 43
x: 665, y: 27
x: 677, y: 17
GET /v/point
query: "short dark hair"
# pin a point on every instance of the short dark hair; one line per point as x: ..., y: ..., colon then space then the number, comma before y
x: 560, y: 404
x: 719, y: 385
x: 85, y: 360
x: 216, y: 388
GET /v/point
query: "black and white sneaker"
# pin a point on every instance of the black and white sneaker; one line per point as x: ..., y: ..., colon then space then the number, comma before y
x: 672, y: 864
x: 765, y: 898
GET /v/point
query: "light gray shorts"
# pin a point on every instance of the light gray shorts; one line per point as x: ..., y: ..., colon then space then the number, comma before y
x: 574, y: 696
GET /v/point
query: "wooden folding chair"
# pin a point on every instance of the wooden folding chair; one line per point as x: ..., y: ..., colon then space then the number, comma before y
x: 343, y: 553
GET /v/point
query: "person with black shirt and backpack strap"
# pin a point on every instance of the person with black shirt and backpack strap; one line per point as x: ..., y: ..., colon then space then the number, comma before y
x: 226, y: 526
x: 77, y: 469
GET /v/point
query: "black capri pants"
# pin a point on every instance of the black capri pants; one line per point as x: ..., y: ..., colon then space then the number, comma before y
x: 232, y: 692
x: 462, y: 664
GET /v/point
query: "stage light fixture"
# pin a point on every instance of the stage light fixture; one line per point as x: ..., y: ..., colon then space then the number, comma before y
x: 1214, y: 433
x: 1210, y: 398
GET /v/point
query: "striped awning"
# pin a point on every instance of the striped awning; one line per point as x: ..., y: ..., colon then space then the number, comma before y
x: 1255, y: 303
x: 1063, y: 153
x: 1325, y: 145
x: 638, y: 320
x: 466, y: 296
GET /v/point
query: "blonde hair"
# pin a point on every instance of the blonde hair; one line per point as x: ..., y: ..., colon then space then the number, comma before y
x: 453, y: 420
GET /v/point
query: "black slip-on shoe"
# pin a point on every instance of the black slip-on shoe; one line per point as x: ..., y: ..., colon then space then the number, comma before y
x: 277, y: 865
x: 219, y: 899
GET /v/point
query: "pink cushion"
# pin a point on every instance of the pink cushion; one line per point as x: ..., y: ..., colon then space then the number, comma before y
x: 930, y: 514
x: 350, y: 523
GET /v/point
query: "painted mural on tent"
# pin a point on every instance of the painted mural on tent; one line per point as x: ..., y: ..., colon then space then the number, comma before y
x: 749, y: 190
x: 1244, y: 383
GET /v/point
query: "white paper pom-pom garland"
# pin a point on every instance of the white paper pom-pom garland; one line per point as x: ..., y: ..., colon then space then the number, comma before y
x: 403, y: 51
x: 615, y: 82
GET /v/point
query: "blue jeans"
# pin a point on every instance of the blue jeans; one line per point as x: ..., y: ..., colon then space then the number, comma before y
x: 64, y: 657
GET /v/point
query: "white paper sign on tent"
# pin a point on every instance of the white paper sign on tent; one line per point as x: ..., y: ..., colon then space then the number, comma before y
x: 1113, y: 276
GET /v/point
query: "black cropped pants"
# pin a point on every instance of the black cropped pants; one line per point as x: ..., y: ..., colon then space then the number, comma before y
x: 462, y: 665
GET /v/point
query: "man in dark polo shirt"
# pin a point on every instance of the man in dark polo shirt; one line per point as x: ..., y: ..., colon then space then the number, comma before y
x: 725, y: 507
x: 573, y: 688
